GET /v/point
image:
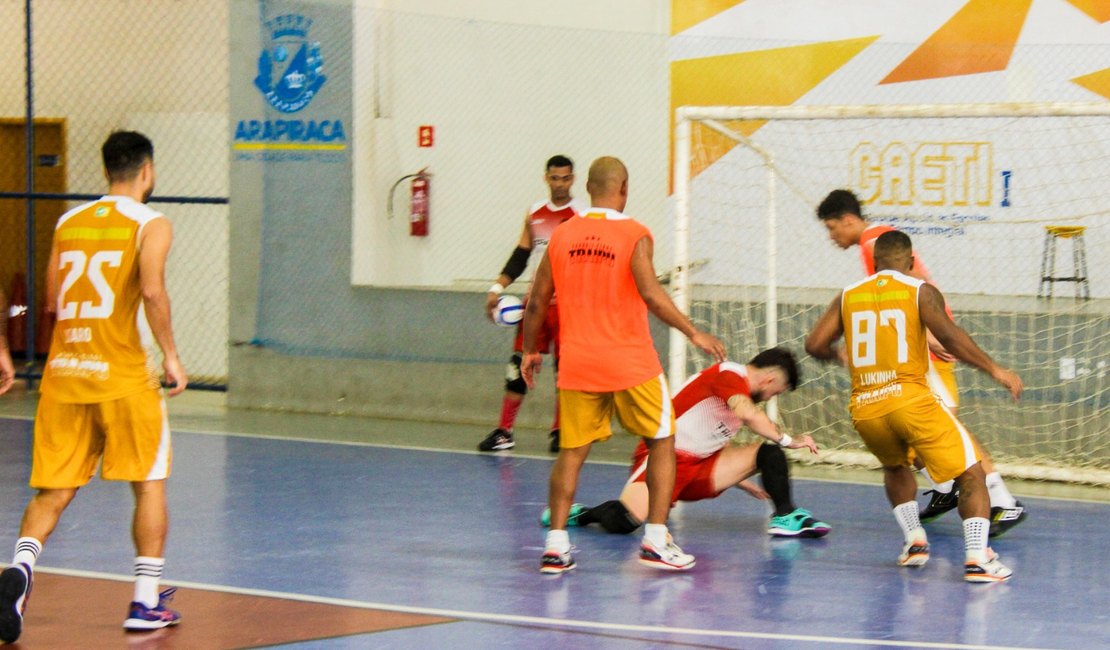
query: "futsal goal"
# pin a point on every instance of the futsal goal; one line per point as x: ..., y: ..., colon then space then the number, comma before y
x: 983, y: 190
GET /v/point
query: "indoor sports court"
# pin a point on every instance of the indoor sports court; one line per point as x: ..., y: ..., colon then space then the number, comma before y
x: 287, y: 533
x: 345, y: 178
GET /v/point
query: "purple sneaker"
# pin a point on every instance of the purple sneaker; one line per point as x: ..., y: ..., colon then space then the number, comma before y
x: 15, y: 589
x: 142, y: 617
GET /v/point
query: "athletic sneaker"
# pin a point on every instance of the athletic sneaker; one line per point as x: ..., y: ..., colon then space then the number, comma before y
x: 15, y: 589
x: 576, y: 510
x: 1003, y: 519
x: 555, y: 562
x: 670, y: 557
x: 497, y: 440
x: 799, y: 523
x: 554, y: 446
x: 915, y: 553
x: 990, y: 571
x: 142, y: 617
x: 939, y: 504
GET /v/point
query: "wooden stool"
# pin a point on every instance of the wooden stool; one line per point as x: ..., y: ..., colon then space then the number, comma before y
x: 1078, y: 258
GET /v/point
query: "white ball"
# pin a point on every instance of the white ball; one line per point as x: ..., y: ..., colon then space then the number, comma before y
x: 509, y: 311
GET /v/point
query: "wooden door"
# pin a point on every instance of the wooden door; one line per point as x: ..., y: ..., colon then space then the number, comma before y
x: 49, y: 158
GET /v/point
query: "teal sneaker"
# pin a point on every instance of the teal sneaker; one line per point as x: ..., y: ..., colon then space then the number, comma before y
x: 576, y: 510
x: 799, y: 523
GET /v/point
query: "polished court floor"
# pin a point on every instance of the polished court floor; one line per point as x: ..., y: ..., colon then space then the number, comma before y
x: 295, y: 531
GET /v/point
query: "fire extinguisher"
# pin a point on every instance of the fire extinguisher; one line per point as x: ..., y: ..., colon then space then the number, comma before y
x: 418, y: 213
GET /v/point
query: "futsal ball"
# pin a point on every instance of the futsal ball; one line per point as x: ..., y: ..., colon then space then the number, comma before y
x: 509, y: 311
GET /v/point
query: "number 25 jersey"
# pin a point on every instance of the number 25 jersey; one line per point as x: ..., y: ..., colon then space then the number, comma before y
x: 99, y: 350
x: 888, y: 352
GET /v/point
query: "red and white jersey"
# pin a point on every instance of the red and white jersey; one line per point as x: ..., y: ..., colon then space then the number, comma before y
x: 544, y: 217
x: 704, y: 423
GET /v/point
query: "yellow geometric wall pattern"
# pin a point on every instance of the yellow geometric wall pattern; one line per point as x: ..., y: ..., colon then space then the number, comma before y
x: 1097, y: 9
x: 687, y: 13
x: 979, y: 37
x: 775, y: 77
x: 1096, y: 82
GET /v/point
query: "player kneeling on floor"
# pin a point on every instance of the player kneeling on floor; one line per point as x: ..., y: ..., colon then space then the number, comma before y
x: 710, y: 409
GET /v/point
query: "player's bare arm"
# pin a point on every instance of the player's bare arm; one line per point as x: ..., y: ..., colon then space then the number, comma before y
x: 154, y: 242
x: 959, y: 343
x: 826, y: 331
x: 52, y: 280
x: 755, y: 419
x: 7, y: 368
x: 660, y: 304
x: 521, y: 252
x: 543, y: 288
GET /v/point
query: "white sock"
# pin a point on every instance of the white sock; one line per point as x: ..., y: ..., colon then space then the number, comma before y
x: 148, y: 571
x: 906, y: 516
x: 656, y: 534
x: 943, y: 488
x: 1000, y: 494
x: 975, y: 538
x: 27, y: 551
x: 557, y: 540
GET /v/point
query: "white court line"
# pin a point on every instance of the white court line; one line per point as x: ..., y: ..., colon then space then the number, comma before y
x: 533, y: 620
x: 438, y: 450
x: 622, y: 463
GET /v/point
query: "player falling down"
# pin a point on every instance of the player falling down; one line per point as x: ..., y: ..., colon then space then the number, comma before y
x: 710, y: 410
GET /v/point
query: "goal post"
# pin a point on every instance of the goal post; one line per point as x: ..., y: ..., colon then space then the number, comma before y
x: 979, y: 187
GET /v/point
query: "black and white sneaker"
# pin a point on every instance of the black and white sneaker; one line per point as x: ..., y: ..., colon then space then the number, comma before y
x: 15, y: 588
x: 1003, y: 519
x: 939, y: 504
x: 497, y: 440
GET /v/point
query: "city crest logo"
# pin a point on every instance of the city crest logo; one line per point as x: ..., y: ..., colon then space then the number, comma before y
x: 290, y: 66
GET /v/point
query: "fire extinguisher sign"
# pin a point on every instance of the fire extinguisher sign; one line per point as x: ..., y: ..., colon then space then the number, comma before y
x: 425, y: 136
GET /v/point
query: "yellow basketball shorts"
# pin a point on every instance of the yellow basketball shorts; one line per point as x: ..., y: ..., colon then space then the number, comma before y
x: 129, y: 437
x: 643, y: 410
x: 925, y: 426
x: 941, y: 378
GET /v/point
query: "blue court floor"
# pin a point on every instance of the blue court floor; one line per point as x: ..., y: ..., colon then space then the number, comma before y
x: 454, y: 534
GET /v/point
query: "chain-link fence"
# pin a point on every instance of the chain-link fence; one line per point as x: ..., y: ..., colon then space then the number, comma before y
x: 78, y: 70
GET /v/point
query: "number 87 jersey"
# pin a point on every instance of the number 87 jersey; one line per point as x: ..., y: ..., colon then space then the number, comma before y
x: 99, y: 349
x: 887, y: 348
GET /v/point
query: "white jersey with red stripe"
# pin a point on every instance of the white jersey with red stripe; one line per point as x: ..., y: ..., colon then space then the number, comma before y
x: 704, y: 423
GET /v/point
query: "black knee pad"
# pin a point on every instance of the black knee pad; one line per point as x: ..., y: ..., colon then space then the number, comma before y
x: 770, y: 459
x: 514, y: 382
x: 614, y: 518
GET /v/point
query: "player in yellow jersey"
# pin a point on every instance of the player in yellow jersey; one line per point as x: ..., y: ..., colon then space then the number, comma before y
x: 842, y: 216
x: 883, y: 320
x: 101, y: 401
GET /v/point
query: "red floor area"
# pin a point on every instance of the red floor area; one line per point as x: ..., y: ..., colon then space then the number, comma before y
x: 66, y: 613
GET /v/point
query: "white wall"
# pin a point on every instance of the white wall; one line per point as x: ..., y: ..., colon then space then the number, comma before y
x: 506, y: 85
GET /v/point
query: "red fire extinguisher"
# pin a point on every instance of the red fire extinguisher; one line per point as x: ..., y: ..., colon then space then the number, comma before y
x: 418, y: 214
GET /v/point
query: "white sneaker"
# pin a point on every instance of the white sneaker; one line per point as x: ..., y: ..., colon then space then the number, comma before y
x: 670, y: 557
x: 555, y: 562
x: 990, y: 571
x: 915, y: 553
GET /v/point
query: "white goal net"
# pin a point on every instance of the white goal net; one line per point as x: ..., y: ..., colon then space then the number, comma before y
x: 996, y: 197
